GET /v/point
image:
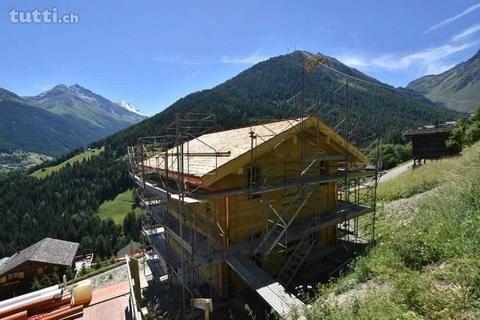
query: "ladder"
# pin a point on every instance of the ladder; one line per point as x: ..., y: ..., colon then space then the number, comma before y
x: 301, y: 251
x: 296, y: 259
x: 280, y: 226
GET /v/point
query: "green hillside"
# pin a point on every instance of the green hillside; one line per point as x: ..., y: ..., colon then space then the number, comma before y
x: 80, y: 103
x: 24, y: 127
x: 457, y: 88
x: 426, y: 264
x: 59, y: 120
x: 117, y: 208
x: 43, y: 172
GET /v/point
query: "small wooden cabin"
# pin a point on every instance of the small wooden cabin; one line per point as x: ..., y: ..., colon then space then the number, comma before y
x: 243, y: 182
x: 46, y: 257
x: 430, y: 142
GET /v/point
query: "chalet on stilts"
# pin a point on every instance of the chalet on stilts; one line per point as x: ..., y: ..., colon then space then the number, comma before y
x: 430, y: 142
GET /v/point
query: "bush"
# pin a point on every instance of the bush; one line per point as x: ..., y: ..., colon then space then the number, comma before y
x: 465, y: 133
x: 45, y: 280
x: 394, y: 154
x: 409, y: 290
x: 82, y: 271
x: 472, y: 133
x: 415, y: 251
x: 401, y: 153
x: 456, y: 141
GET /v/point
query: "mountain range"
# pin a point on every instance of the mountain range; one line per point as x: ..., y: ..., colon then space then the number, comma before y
x: 130, y: 107
x: 67, y: 117
x: 457, y: 88
x: 264, y: 91
x: 59, y: 120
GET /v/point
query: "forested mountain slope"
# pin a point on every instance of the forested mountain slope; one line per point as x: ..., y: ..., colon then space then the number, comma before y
x: 81, y: 103
x: 262, y: 91
x: 63, y: 205
x: 59, y: 120
x: 29, y: 128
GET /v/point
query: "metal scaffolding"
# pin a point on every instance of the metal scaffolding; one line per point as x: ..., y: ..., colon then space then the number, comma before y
x: 161, y: 168
x: 166, y: 193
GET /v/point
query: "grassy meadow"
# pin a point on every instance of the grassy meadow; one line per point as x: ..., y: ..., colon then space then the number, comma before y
x: 429, y: 268
x: 424, y: 177
x: 42, y: 173
x: 117, y: 208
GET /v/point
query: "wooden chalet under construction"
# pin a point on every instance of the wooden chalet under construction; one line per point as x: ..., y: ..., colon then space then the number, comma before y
x: 246, y: 209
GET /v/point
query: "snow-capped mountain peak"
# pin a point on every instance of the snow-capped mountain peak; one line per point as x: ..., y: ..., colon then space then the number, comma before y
x: 130, y: 107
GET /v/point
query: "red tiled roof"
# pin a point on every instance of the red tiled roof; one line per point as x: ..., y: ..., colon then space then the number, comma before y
x: 108, y: 303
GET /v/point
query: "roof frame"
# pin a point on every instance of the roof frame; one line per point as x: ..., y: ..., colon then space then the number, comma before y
x: 340, y: 144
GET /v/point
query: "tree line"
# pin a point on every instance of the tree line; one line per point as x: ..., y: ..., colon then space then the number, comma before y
x: 63, y: 205
x: 466, y: 132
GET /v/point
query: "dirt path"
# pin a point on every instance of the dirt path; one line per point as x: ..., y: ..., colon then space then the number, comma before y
x: 392, y: 173
x: 402, y: 211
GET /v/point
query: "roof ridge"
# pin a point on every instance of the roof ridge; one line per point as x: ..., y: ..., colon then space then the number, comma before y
x: 257, y: 125
x: 203, y: 161
x: 38, y: 246
x: 47, y: 250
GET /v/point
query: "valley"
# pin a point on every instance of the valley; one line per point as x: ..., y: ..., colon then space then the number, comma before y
x: 20, y: 160
x: 80, y: 157
x: 58, y: 121
x: 260, y: 92
x: 423, y: 257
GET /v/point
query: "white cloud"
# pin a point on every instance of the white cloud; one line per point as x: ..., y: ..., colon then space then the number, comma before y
x: 354, y: 61
x: 250, y: 59
x: 424, y: 57
x: 453, y: 18
x: 438, y: 67
x: 466, y: 33
x: 427, y: 61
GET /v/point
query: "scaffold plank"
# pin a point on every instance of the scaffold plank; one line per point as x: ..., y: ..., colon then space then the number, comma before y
x: 272, y: 292
x: 153, y: 189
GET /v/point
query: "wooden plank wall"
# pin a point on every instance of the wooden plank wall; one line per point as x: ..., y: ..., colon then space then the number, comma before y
x: 242, y: 219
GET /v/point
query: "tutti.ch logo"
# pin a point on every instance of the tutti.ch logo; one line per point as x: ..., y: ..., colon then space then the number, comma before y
x: 49, y: 16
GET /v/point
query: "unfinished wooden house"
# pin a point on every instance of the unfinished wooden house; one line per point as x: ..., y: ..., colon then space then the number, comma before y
x: 246, y: 209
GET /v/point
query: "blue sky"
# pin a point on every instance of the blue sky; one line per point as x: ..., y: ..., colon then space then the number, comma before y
x: 152, y: 53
